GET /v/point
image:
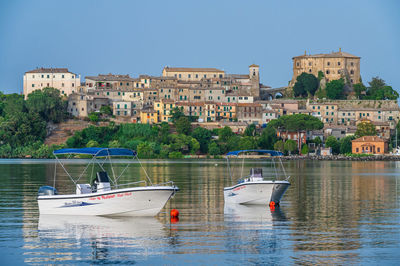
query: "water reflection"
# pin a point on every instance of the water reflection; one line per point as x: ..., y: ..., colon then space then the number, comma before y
x: 334, y: 212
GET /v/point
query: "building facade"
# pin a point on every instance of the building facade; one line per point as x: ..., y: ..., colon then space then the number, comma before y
x: 60, y: 78
x: 334, y: 66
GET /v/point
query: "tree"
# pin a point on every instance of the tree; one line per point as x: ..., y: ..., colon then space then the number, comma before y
x: 106, y: 109
x: 114, y: 144
x: 176, y: 113
x: 94, y: 117
x: 183, y: 125
x: 365, y: 129
x: 279, y: 146
x: 304, y: 149
x: 296, y: 123
x: 225, y: 133
x: 334, y: 89
x: 345, y: 144
x: 290, y: 146
x: 320, y: 75
x: 250, y: 130
x: 268, y: 138
x: 247, y: 143
x: 317, y: 141
x: 163, y: 133
x: 331, y: 142
x: 213, y: 149
x: 92, y: 143
x: 359, y: 89
x: 306, y: 84
x: 48, y: 104
x: 203, y: 136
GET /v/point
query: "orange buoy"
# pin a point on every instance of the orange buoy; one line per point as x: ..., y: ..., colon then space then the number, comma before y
x: 174, y: 213
x: 272, y: 204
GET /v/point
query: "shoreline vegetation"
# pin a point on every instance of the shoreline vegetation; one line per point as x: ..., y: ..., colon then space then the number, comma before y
x: 25, y: 123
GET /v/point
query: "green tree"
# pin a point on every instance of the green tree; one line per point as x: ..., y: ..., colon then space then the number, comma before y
x: 203, y: 136
x: 183, y: 125
x: 250, y: 130
x: 334, y: 89
x: 48, y: 104
x: 92, y: 143
x: 304, y: 149
x: 247, y: 143
x: 306, y: 84
x: 320, y: 75
x: 213, y: 149
x: 331, y: 142
x: 175, y: 155
x: 225, y: 133
x: 317, y: 141
x: 359, y: 89
x: 144, y: 150
x: 365, y: 129
x: 106, y: 109
x: 163, y: 133
x: 290, y: 146
x: 279, y: 146
x: 296, y: 123
x: 94, y: 117
x: 345, y: 144
x: 268, y: 138
x: 176, y: 113
x: 114, y: 144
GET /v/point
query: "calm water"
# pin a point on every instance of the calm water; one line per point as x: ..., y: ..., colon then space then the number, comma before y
x: 334, y: 213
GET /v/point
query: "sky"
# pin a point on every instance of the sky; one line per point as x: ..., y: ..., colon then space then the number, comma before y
x: 90, y: 37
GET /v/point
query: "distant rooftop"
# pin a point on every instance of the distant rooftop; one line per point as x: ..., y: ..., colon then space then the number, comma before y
x: 110, y: 77
x: 331, y: 55
x: 49, y: 70
x: 190, y: 69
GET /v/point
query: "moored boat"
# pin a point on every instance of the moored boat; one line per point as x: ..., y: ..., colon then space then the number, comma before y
x: 254, y: 189
x: 104, y: 195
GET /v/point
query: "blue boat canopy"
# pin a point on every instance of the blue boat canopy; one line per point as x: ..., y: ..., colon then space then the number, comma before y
x: 97, y: 151
x: 271, y: 152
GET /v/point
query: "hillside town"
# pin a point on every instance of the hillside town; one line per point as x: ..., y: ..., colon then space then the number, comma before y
x: 215, y: 99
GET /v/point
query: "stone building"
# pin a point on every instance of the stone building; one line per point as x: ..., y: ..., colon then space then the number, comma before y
x: 81, y: 105
x: 192, y: 74
x: 60, y: 78
x: 334, y: 66
x: 250, y: 113
x: 110, y: 82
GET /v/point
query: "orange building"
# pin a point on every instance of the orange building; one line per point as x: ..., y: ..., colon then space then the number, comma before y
x: 369, y: 145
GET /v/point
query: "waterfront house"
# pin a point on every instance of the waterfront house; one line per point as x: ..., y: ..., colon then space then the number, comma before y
x: 369, y: 145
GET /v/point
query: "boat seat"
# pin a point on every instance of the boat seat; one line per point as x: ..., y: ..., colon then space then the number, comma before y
x: 83, y: 189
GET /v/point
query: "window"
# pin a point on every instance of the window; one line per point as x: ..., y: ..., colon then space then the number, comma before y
x: 309, y: 63
x: 333, y: 107
x: 62, y: 76
x: 327, y: 107
x: 119, y: 93
x: 197, y: 75
x: 327, y: 72
x: 48, y: 76
x: 33, y: 76
x: 338, y: 63
x: 189, y: 76
x: 309, y: 70
x: 379, y: 149
x: 352, y: 72
x: 117, y: 106
x: 62, y: 84
x: 180, y: 75
x: 328, y: 63
x: 73, y: 76
x: 352, y: 63
x: 126, y: 106
x: 327, y: 113
x: 73, y: 85
x: 118, y: 112
x: 297, y: 64
x: 120, y: 83
x: 205, y: 75
x: 220, y: 75
x: 42, y: 76
x: 125, y: 112
x: 33, y: 85
x: 332, y: 113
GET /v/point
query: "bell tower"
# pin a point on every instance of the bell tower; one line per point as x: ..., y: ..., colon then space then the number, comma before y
x: 254, y: 75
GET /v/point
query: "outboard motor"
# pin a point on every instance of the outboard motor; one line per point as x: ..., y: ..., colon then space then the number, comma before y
x: 101, y: 182
x: 47, y: 191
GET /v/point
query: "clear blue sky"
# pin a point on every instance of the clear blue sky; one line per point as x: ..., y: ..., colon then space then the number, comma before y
x: 141, y: 37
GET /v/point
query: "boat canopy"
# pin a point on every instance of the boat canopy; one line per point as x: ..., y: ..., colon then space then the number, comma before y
x: 270, y: 152
x: 97, y: 151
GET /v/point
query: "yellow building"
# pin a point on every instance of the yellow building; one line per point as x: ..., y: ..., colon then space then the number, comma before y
x: 192, y: 74
x: 148, y: 116
x: 163, y: 108
x: 334, y: 66
x: 226, y: 111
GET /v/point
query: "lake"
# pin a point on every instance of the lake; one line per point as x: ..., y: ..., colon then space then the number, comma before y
x: 335, y: 212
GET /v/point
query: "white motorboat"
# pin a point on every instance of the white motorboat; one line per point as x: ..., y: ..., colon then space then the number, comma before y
x: 254, y: 189
x: 104, y: 196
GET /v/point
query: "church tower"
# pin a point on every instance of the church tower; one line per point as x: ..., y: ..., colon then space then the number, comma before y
x: 254, y: 75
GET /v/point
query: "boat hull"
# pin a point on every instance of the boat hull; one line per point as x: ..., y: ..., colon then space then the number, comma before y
x: 259, y: 192
x: 139, y: 201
